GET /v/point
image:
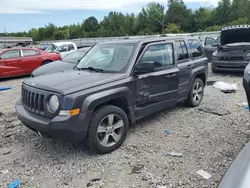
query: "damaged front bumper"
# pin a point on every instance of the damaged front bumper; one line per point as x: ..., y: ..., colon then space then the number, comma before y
x: 230, y: 66
x: 73, y: 129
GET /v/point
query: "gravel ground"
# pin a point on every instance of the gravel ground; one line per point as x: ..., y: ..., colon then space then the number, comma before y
x: 207, y: 141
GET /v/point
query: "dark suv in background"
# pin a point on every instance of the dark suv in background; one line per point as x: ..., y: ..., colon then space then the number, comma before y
x: 233, y: 53
x: 115, y: 84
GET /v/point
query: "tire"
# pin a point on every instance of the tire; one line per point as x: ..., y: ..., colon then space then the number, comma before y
x: 104, y: 142
x: 192, y: 100
x: 214, y: 70
x: 46, y: 62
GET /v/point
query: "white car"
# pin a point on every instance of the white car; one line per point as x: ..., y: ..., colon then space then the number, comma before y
x: 64, y: 48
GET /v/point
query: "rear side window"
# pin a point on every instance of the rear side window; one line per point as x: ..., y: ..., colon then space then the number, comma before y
x: 27, y: 53
x: 195, y: 48
x: 181, y: 50
x: 11, y: 54
x: 71, y: 47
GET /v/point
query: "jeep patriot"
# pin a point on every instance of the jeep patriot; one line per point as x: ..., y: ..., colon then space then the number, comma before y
x: 113, y: 85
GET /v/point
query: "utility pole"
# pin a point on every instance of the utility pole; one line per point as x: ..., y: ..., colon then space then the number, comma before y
x: 68, y: 32
x: 162, y: 23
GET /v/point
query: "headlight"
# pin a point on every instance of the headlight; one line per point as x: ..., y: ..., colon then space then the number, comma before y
x: 53, y: 103
x: 215, y: 54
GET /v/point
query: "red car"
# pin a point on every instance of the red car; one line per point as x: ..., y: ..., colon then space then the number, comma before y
x: 22, y: 61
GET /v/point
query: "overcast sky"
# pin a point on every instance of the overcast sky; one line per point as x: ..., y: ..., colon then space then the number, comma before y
x: 22, y: 15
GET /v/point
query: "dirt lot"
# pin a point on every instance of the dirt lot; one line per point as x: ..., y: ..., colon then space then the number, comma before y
x: 207, y: 141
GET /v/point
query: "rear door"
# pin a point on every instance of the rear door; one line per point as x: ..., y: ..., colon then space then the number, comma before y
x: 158, y: 89
x: 184, y: 65
x: 31, y: 60
x: 11, y: 64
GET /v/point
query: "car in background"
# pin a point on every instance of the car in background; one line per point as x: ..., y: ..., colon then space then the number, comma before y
x: 68, y: 62
x: 233, y: 52
x: 22, y: 61
x: 238, y: 174
x: 246, y: 83
x: 64, y: 48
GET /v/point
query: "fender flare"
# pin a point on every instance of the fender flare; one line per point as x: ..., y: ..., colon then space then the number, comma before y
x: 195, y: 72
x: 96, y: 99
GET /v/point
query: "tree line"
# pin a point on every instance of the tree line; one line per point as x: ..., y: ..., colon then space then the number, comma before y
x: 152, y: 19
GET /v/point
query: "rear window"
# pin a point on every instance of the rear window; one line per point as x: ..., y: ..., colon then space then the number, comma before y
x: 195, y: 48
x: 30, y: 53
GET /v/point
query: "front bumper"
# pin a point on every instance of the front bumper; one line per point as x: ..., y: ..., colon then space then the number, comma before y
x: 73, y: 129
x: 234, y: 66
x: 246, y: 84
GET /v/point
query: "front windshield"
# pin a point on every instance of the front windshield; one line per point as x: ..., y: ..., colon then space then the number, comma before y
x: 51, y: 48
x: 108, y: 57
x: 75, y: 56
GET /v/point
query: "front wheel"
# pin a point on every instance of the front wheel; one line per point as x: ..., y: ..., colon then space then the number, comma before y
x: 108, y: 129
x: 196, y: 93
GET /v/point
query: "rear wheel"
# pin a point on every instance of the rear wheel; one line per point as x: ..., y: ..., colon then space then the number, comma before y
x: 46, y: 62
x: 108, y: 129
x: 196, y: 93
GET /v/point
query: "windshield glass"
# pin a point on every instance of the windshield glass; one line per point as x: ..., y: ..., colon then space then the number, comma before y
x: 51, y: 48
x: 75, y: 56
x: 108, y: 57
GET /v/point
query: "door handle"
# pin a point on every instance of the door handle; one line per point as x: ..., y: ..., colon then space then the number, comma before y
x: 170, y: 75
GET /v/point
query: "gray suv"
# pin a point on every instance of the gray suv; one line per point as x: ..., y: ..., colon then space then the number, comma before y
x: 233, y: 53
x: 115, y: 84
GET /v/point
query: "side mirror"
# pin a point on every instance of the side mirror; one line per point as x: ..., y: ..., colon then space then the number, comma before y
x: 145, y: 67
x: 215, y: 44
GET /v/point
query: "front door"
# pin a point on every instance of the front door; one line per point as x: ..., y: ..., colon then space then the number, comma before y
x: 11, y: 64
x: 157, y: 89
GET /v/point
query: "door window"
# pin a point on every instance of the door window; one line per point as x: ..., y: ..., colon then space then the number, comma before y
x: 64, y: 48
x: 27, y: 53
x: 160, y: 54
x: 209, y: 41
x: 181, y: 50
x: 10, y: 54
x: 195, y: 47
x: 71, y: 47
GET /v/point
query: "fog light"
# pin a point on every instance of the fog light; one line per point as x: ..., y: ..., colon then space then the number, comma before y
x: 69, y: 112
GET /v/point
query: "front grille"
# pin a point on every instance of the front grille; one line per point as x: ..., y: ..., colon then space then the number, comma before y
x: 233, y: 58
x: 33, y: 101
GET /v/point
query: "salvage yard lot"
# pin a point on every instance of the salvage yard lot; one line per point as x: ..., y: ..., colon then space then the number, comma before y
x: 207, y: 141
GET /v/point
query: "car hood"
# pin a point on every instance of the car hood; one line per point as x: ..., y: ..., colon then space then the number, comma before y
x: 56, y: 66
x: 72, y: 81
x: 235, y: 35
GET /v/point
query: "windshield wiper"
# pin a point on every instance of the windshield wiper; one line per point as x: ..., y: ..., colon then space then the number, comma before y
x: 90, y: 68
